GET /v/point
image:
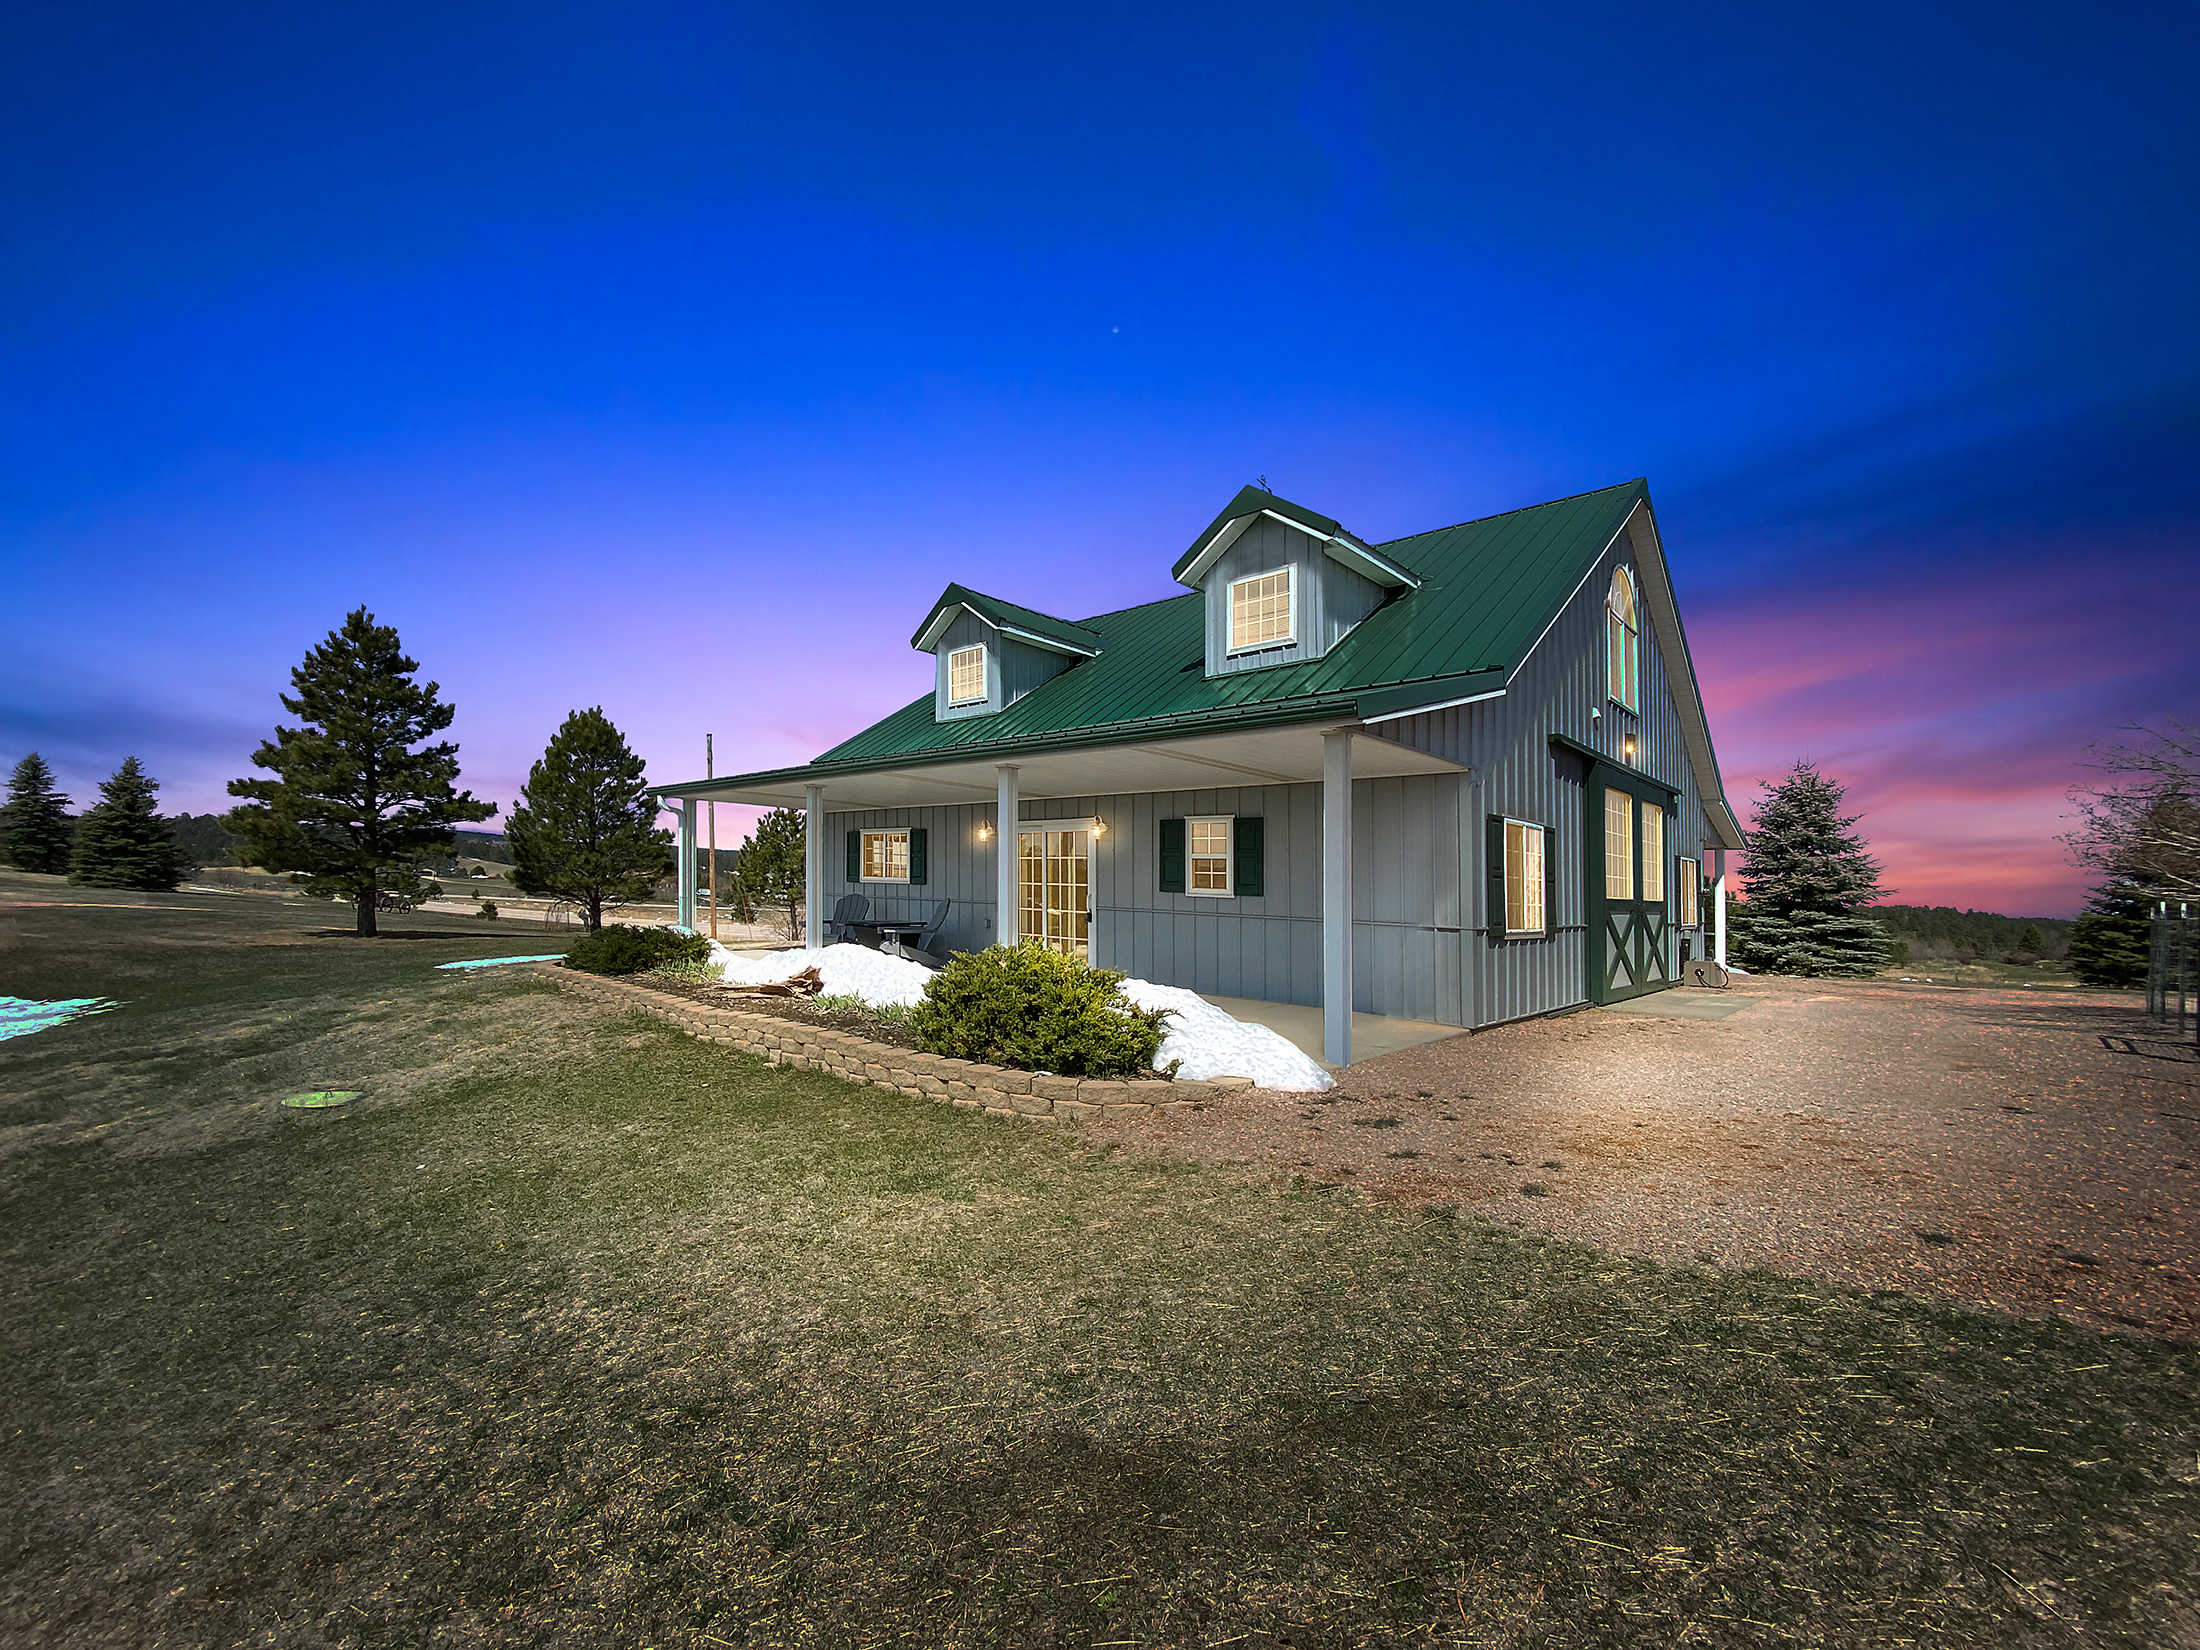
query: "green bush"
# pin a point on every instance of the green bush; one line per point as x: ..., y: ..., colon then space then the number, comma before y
x: 620, y: 948
x: 1039, y: 1010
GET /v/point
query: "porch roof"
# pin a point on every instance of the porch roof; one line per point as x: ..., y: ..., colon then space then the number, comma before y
x: 1259, y: 750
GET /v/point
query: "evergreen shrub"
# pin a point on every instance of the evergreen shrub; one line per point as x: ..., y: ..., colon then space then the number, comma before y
x: 1038, y: 1010
x: 620, y: 948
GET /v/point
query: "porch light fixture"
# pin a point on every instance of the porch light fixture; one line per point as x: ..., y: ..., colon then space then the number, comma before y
x: 1099, y: 827
x: 1630, y: 747
x: 985, y: 831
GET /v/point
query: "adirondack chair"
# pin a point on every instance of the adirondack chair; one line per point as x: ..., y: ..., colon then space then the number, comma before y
x: 847, y: 916
x: 905, y: 937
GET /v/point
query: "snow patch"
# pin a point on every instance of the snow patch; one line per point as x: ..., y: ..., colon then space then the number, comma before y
x: 1208, y: 1042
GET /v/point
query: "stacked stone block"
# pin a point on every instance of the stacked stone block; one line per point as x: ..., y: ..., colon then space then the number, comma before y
x: 998, y: 1090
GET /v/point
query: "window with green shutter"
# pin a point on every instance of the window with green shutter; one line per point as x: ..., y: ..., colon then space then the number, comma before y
x: 916, y: 855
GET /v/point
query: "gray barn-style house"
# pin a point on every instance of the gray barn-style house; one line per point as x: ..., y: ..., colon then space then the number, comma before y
x: 1463, y: 777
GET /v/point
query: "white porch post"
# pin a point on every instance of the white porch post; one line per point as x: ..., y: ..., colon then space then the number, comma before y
x: 1004, y: 855
x: 813, y: 866
x: 687, y: 863
x: 1337, y: 896
x: 1719, y: 907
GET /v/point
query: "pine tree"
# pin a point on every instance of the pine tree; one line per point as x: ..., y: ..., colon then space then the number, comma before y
x: 2108, y: 942
x: 1807, y: 876
x: 585, y: 829
x: 34, y: 825
x: 353, y: 804
x: 770, y: 869
x: 122, y: 842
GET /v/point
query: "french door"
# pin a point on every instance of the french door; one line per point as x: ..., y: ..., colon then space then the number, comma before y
x: 1054, y: 889
x: 1630, y: 926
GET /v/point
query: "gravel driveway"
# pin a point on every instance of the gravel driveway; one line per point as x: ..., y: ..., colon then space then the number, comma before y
x: 2005, y: 1148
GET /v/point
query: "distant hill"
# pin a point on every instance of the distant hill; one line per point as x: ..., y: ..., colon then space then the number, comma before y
x: 202, y: 836
x: 1941, y: 933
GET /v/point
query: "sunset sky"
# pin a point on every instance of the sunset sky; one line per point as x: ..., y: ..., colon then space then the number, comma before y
x: 672, y: 358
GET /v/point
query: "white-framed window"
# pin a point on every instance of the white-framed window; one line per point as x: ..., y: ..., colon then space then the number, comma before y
x: 1263, y: 611
x: 1653, y: 853
x: 1619, y: 845
x: 1623, y: 637
x: 885, y: 856
x: 1207, y: 854
x: 1691, y: 882
x: 1524, y: 844
x: 966, y: 675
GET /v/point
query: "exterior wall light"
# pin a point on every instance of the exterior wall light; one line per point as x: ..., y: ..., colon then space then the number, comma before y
x: 1630, y: 747
x: 1099, y: 827
x: 985, y: 831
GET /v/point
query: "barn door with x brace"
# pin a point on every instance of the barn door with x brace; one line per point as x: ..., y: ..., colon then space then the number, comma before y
x: 1625, y: 830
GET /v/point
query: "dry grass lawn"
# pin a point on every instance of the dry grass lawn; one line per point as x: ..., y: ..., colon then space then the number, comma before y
x: 584, y: 1333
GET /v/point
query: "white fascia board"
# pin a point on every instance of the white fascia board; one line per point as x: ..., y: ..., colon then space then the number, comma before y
x: 1349, y: 552
x: 929, y: 641
x: 1211, y: 552
x: 1048, y: 642
x: 1442, y: 704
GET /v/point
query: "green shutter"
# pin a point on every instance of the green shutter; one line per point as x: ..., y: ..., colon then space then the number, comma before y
x: 1248, y: 856
x: 916, y: 855
x: 1497, y: 876
x: 1172, y: 856
x: 855, y: 856
x: 1550, y: 884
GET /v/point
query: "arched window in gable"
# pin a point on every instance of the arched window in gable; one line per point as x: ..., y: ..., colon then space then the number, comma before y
x: 1623, y: 636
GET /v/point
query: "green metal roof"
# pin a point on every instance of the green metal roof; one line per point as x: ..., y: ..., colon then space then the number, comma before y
x: 1489, y: 589
x: 1076, y: 638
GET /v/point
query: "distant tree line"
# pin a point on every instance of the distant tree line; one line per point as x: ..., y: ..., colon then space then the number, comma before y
x: 1941, y: 933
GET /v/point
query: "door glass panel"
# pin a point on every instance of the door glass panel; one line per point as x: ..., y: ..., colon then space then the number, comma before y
x: 1619, y: 845
x: 1031, y: 904
x: 1653, y: 853
x: 1053, y: 871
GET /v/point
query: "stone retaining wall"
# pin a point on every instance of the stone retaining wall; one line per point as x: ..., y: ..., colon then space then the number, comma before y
x: 999, y: 1090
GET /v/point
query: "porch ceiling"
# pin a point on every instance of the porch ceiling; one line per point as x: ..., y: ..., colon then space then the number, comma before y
x: 1261, y: 756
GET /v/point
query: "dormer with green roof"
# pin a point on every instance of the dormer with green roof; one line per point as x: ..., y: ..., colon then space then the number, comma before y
x: 991, y: 653
x: 1282, y: 584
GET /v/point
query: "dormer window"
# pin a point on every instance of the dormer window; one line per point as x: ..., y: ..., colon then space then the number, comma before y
x: 966, y: 675
x: 1623, y: 635
x: 1263, y: 612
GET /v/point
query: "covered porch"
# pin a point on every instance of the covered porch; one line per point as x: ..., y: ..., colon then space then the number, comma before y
x: 1312, y: 886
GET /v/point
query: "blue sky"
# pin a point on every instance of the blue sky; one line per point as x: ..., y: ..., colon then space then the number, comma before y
x: 672, y: 358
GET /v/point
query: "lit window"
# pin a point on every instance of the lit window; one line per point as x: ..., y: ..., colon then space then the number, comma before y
x: 966, y: 676
x: 1207, y: 846
x: 1653, y: 853
x: 1690, y: 875
x: 1619, y: 845
x: 1260, y: 612
x: 885, y: 856
x: 1623, y: 635
x: 1523, y: 877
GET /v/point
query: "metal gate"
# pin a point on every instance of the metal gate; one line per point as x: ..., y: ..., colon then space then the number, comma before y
x: 2173, y: 991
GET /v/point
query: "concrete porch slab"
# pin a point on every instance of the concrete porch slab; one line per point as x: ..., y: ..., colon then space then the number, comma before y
x: 1372, y: 1034
x: 1683, y: 1002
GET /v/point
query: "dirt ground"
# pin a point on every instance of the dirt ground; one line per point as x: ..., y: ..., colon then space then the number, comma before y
x: 2000, y: 1148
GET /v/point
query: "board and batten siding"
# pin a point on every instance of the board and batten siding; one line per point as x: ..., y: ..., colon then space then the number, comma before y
x: 1331, y: 599
x: 1012, y: 668
x: 1515, y: 772
x: 1408, y: 912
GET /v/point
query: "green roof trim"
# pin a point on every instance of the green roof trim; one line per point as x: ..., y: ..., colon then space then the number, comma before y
x: 1250, y: 501
x: 1032, y: 625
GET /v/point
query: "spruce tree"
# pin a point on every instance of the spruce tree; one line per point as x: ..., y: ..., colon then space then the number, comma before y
x: 585, y: 829
x: 122, y: 842
x: 1806, y: 879
x: 352, y: 803
x: 770, y: 868
x: 34, y: 824
x: 2108, y: 942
